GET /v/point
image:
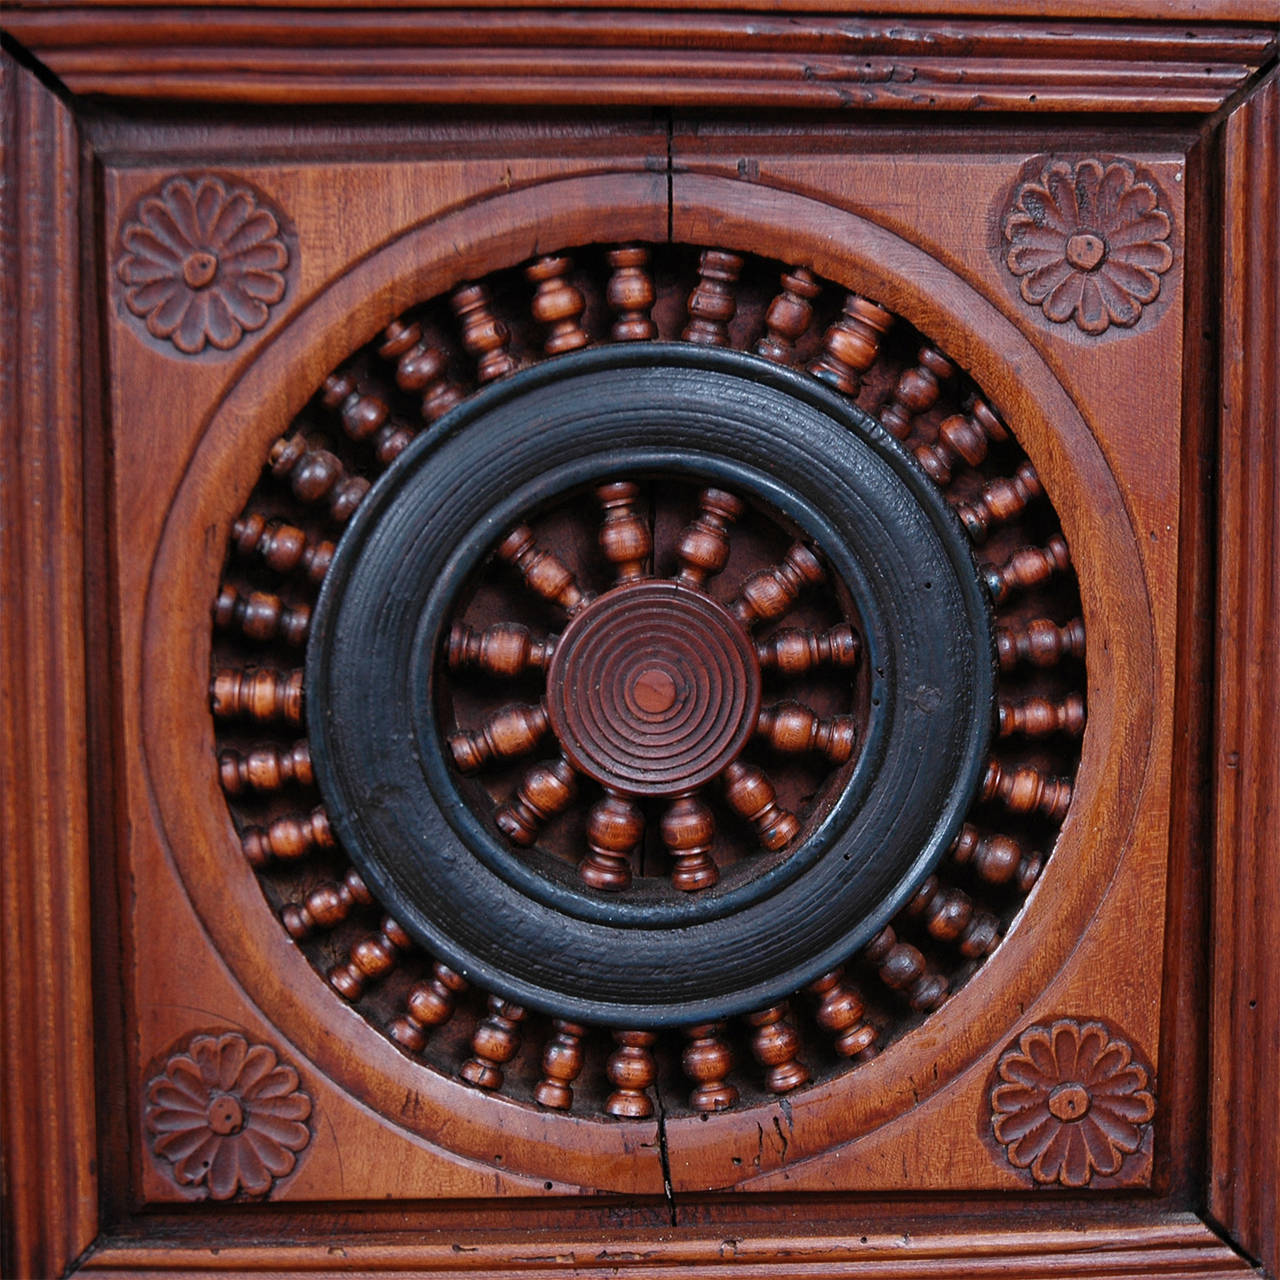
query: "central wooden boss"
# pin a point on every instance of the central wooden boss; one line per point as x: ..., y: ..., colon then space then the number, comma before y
x: 633, y: 685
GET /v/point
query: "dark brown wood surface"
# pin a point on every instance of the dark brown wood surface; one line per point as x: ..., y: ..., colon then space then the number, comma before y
x: 46, y: 1072
x: 125, y: 926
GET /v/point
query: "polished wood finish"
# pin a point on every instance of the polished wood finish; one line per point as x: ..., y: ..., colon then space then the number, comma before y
x: 55, y: 1092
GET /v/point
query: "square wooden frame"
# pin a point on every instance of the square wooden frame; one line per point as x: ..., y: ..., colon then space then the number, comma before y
x: 1214, y: 76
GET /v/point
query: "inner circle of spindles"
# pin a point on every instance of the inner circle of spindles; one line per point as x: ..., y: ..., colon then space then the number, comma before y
x: 432, y: 358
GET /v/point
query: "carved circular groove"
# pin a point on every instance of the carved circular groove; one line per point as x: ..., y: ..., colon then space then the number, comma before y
x: 653, y: 689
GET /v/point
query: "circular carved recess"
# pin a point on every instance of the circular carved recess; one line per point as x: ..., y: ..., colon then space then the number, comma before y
x: 701, y: 703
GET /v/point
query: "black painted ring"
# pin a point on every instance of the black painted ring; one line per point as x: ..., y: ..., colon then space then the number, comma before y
x: 745, y: 425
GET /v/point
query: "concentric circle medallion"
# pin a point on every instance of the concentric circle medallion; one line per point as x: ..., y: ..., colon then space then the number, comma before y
x: 654, y: 688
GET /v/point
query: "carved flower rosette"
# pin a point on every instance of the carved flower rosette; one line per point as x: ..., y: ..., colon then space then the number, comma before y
x: 1070, y: 1102
x: 1088, y: 241
x: 203, y: 263
x: 228, y: 1115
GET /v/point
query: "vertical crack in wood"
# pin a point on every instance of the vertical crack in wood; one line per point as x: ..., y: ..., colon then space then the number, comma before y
x: 664, y: 1155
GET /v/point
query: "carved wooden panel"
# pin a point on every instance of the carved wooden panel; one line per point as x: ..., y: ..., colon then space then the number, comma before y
x: 644, y: 671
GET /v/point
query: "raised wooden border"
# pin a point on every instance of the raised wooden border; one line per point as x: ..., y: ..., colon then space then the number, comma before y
x: 46, y: 1014
x: 46, y: 1061
x: 1244, y: 1140
x: 615, y: 55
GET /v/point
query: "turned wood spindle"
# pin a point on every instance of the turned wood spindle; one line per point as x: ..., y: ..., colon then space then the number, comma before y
x: 370, y: 960
x: 557, y: 305
x: 792, y: 729
x: 630, y: 294
x: 508, y: 732
x: 775, y: 1045
x: 615, y: 827
x: 916, y: 392
x: 542, y: 571
x: 495, y: 1042
x: 851, y: 344
x: 996, y: 858
x: 903, y: 969
x: 1000, y: 501
x: 703, y: 548
x: 1040, y: 717
x: 961, y: 438
x: 752, y: 796
x: 624, y: 533
x: 712, y: 303
x: 631, y: 1071
x: 707, y: 1060
x: 257, y: 693
x: 429, y: 1004
x: 1023, y: 789
x: 950, y: 916
x: 1028, y: 567
x: 281, y: 547
x: 562, y: 1060
x: 840, y: 1012
x: 1039, y: 643
x: 504, y: 650
x: 486, y: 338
x: 316, y: 475
x: 265, y: 768
x: 545, y: 791
x: 364, y: 417
x: 261, y: 616
x: 770, y: 593
x: 688, y: 829
x: 420, y: 369
x: 789, y: 316
x: 326, y: 906
x: 795, y: 652
x: 288, y: 838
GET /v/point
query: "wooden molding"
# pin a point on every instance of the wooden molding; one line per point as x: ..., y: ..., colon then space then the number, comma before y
x: 1244, y: 1154
x: 618, y: 56
x: 1179, y: 1245
x: 46, y: 1072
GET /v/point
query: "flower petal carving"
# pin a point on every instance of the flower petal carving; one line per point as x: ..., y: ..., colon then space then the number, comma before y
x: 202, y: 263
x: 1088, y: 242
x: 228, y: 1115
x: 1069, y: 1102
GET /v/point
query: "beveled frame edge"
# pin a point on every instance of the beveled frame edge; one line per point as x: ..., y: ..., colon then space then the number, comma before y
x: 47, y: 1112
x: 50, y: 1201
x: 1244, y: 1156
x: 977, y: 58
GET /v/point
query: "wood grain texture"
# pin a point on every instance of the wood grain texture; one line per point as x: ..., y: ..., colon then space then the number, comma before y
x: 1244, y: 1152
x: 619, y: 56
x: 1176, y: 1246
x: 46, y: 1056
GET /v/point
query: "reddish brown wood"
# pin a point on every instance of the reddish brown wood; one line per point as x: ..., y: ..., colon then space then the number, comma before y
x: 902, y: 968
x: 371, y: 959
x: 257, y: 693
x: 996, y: 858
x: 316, y: 475
x: 631, y: 1071
x: 631, y: 294
x: 282, y: 547
x: 1039, y: 642
x: 495, y: 1042
x: 544, y: 791
x: 775, y: 1045
x: 428, y: 1005
x: 789, y: 316
x: 561, y: 1065
x: 769, y: 594
x: 504, y: 650
x: 712, y: 304
x: 962, y: 438
x: 261, y: 616
x: 49, y: 1196
x: 541, y: 570
x: 793, y: 652
x: 852, y: 343
x: 751, y: 795
x: 840, y: 1013
x: 421, y: 369
x: 792, y: 728
x: 287, y: 839
x: 688, y: 829
x: 513, y: 731
x: 557, y: 305
x: 624, y: 535
x: 917, y: 391
x: 704, y: 547
x: 1244, y: 1157
x: 265, y: 768
x: 326, y: 906
x: 614, y: 829
x: 624, y: 55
